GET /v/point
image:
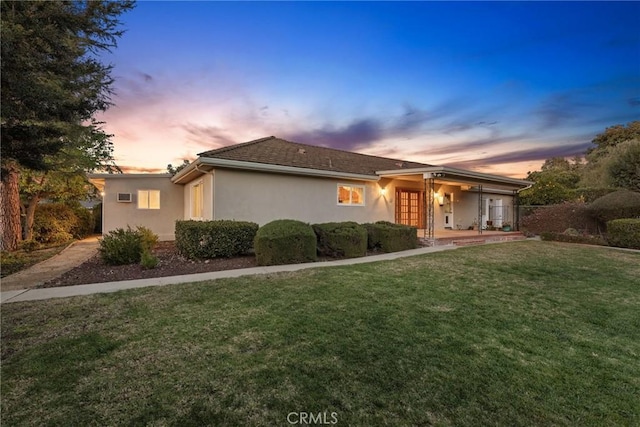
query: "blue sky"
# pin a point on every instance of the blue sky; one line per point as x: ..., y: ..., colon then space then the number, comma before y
x: 496, y: 87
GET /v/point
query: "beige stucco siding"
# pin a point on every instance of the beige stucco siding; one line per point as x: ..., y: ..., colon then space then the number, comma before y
x: 160, y: 221
x: 264, y: 197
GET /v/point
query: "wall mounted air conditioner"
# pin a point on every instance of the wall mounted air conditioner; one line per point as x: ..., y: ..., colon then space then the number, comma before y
x: 124, y: 197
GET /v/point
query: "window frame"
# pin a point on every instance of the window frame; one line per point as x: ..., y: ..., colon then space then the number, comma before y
x: 148, y: 198
x: 362, y: 187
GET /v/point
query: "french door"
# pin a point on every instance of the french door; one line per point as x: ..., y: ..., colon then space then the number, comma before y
x: 410, y: 207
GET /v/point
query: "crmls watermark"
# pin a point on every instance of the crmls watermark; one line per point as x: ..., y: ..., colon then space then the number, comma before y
x: 308, y: 418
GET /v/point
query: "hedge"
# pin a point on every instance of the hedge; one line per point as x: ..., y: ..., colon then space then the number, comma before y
x: 388, y: 237
x: 572, y: 238
x: 212, y: 239
x: 557, y: 218
x: 617, y: 205
x: 341, y: 239
x: 285, y: 241
x: 624, y: 233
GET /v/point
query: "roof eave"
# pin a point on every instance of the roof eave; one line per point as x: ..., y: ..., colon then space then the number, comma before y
x: 187, y: 174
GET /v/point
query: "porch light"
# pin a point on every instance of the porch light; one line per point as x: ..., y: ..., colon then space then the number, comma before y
x: 383, y: 191
x: 102, y: 193
x: 439, y: 198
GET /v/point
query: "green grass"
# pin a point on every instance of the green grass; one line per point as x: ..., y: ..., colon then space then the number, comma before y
x: 527, y: 333
x: 15, y: 261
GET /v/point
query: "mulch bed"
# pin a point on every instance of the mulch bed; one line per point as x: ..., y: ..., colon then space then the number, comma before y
x: 171, y: 264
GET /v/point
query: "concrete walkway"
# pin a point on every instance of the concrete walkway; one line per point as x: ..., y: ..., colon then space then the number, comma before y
x: 18, y: 295
x: 72, y: 256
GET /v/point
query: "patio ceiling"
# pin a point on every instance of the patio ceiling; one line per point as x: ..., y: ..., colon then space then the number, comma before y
x: 453, y: 176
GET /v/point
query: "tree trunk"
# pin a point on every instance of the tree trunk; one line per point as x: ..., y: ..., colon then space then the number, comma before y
x: 30, y: 214
x: 10, y: 227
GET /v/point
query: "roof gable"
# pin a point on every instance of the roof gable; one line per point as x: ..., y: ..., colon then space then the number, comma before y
x: 276, y: 151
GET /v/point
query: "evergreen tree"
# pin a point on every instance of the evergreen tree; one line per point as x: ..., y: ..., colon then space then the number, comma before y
x: 53, y: 84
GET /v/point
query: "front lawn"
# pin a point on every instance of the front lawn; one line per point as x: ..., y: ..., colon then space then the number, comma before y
x: 526, y: 333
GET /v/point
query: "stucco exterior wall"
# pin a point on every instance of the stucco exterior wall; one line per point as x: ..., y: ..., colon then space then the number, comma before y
x: 264, y: 197
x: 160, y: 221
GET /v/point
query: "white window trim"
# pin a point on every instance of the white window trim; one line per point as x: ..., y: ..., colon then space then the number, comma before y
x: 148, y: 199
x: 361, y: 186
x: 191, y: 189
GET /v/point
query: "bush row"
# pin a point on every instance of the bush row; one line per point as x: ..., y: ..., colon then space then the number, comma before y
x: 572, y: 238
x: 586, y: 218
x: 278, y: 242
x: 289, y: 241
x: 211, y: 239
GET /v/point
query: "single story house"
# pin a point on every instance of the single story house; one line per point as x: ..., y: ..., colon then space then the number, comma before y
x: 271, y: 178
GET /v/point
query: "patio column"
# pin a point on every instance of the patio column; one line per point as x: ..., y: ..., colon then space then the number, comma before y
x: 429, y: 214
x: 516, y: 211
x: 480, y: 209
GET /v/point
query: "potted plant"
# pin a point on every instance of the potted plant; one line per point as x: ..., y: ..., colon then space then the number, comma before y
x: 506, y: 226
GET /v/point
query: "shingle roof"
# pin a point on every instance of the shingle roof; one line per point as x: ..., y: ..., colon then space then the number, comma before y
x: 276, y: 151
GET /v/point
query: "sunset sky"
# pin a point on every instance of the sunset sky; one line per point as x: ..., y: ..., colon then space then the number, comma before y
x: 496, y: 87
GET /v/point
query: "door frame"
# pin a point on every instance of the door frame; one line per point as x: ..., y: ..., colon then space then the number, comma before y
x: 414, y: 212
x: 448, y: 225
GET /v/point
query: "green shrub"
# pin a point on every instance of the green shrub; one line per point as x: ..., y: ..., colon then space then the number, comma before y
x: 55, y: 223
x: 285, y: 241
x: 148, y: 238
x: 388, y: 237
x: 571, y: 232
x: 122, y: 246
x: 624, y: 233
x: 589, y: 194
x: 341, y: 239
x: 616, y: 205
x: 148, y: 261
x: 85, y: 224
x: 569, y: 238
x: 211, y: 239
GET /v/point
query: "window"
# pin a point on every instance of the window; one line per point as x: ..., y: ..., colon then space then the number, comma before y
x: 352, y: 195
x: 197, y: 200
x: 148, y: 199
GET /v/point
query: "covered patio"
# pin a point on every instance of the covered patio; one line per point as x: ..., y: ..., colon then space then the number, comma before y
x: 454, y: 204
